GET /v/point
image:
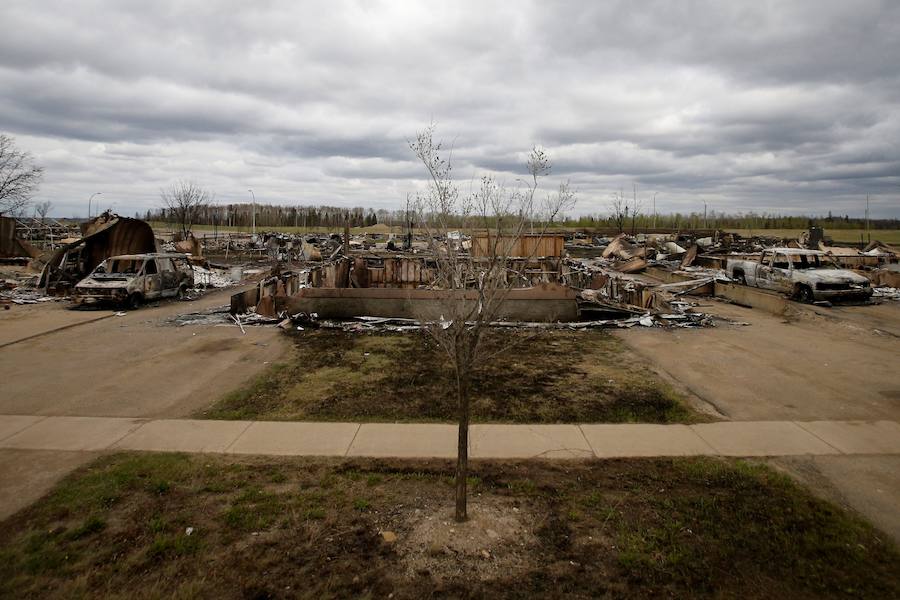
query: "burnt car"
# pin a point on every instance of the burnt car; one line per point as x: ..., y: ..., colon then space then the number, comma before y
x: 132, y: 279
x: 807, y: 275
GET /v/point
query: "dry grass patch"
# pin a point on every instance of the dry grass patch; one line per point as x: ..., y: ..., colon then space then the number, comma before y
x: 547, y: 377
x: 169, y: 525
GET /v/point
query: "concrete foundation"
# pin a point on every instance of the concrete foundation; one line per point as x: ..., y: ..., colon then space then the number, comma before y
x: 753, y: 297
x: 541, y: 303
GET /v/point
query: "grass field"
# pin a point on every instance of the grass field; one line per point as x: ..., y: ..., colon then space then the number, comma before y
x: 888, y: 236
x: 175, y: 526
x: 548, y: 377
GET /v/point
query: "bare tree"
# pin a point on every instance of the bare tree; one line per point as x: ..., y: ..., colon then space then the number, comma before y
x: 185, y: 201
x: 636, y: 207
x: 42, y: 209
x: 621, y: 210
x: 474, y: 287
x: 618, y: 207
x: 19, y: 177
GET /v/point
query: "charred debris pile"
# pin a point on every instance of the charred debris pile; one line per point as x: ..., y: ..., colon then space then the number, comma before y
x: 381, y: 281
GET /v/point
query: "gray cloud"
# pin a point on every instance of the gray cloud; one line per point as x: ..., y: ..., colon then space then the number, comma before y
x: 792, y: 107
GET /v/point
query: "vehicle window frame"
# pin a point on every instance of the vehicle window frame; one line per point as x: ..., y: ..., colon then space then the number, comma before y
x: 145, y: 271
x: 776, y: 263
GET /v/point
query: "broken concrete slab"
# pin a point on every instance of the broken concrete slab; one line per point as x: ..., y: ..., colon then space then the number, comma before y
x: 182, y: 435
x: 639, y: 439
x: 13, y: 424
x: 296, y: 439
x: 527, y: 441
x: 761, y: 438
x: 423, y: 440
x: 857, y: 437
x: 73, y: 433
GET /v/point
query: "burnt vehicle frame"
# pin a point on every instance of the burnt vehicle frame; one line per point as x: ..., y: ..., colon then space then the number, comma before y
x: 132, y: 279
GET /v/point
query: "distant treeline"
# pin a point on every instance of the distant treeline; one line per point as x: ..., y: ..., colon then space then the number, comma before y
x: 715, y: 220
x: 269, y: 215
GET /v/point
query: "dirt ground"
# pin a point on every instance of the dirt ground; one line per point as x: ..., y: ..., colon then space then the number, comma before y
x: 821, y: 363
x: 129, y: 366
x: 32, y: 320
x: 170, y: 525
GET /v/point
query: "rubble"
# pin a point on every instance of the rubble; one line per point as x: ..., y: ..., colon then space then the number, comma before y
x: 574, y: 280
x: 12, y: 246
x: 209, y: 278
x: 24, y: 295
x: 398, y: 325
x: 102, y: 237
x: 621, y: 247
x: 887, y: 293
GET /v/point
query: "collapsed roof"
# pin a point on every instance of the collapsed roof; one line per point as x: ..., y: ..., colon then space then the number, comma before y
x: 103, y: 236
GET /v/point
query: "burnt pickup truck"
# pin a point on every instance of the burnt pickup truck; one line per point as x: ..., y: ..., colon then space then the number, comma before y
x: 132, y: 279
x: 806, y: 275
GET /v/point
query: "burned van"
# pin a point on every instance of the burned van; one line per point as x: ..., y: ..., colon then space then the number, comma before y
x: 133, y: 279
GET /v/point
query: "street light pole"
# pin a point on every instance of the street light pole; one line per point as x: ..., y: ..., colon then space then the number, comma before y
x: 89, y: 202
x: 868, y: 235
x: 253, y: 226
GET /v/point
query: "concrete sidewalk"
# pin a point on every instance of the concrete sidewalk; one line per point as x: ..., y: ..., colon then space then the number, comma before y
x: 414, y: 440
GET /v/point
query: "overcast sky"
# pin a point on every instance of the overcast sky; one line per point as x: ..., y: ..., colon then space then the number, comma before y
x: 778, y: 106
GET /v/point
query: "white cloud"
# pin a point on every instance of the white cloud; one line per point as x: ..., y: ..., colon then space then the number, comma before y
x: 791, y: 106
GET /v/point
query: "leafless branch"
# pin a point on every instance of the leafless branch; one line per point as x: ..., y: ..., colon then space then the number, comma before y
x: 19, y: 177
x: 42, y: 209
x: 185, y: 200
x: 475, y: 284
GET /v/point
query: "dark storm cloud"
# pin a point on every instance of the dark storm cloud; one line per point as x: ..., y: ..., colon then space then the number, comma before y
x: 788, y: 106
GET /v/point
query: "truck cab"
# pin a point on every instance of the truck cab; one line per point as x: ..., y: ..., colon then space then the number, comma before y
x: 807, y: 275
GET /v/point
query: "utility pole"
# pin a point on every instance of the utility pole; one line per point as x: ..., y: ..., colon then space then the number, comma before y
x: 253, y: 211
x: 89, y: 202
x: 347, y: 233
x: 654, y: 210
x: 705, y: 224
x: 868, y: 235
x: 634, y: 206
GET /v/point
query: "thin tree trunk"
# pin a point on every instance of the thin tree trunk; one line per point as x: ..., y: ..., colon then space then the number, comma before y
x: 462, y: 449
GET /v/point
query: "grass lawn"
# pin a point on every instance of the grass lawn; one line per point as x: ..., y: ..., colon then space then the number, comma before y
x: 548, y: 377
x: 273, y: 528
